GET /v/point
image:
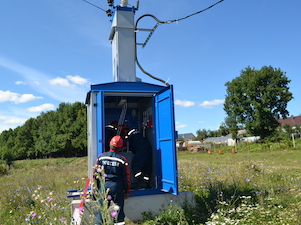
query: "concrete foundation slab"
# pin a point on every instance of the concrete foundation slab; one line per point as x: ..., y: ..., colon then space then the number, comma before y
x: 135, y: 206
x: 154, y: 204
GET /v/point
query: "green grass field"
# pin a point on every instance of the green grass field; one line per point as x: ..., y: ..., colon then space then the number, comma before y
x: 243, y: 188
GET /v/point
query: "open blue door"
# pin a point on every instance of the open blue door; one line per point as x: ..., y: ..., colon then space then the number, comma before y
x: 166, y: 141
x: 100, y: 122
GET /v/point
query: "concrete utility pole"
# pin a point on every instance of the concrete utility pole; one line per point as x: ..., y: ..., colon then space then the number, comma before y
x: 123, y: 44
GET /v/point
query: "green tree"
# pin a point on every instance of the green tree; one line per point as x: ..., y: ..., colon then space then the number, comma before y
x: 201, y: 134
x: 232, y: 125
x: 52, y: 134
x: 257, y: 98
x: 6, y: 147
x: 7, y: 155
x: 223, y: 130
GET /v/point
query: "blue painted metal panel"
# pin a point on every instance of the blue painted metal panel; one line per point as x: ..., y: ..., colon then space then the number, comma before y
x: 135, y: 87
x: 100, y: 122
x: 165, y: 140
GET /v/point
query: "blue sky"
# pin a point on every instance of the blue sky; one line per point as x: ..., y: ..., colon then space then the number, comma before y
x: 52, y: 50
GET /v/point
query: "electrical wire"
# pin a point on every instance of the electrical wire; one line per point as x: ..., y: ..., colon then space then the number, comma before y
x: 171, y: 21
x: 135, y: 39
x: 159, y: 22
x: 95, y: 5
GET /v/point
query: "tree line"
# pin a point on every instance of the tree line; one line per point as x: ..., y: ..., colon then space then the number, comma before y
x: 60, y: 133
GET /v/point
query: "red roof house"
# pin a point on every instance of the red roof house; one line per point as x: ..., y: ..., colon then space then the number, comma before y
x: 293, y: 121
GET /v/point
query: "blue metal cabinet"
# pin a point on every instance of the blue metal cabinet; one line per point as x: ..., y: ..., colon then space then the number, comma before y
x: 150, y: 110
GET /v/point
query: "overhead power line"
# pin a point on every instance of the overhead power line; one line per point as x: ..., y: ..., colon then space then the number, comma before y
x: 95, y: 5
x: 193, y: 14
x: 159, y: 22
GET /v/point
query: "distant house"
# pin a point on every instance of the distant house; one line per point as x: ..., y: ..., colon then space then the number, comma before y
x: 293, y: 121
x: 186, y: 137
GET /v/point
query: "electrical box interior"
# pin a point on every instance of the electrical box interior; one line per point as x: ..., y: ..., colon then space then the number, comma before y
x: 135, y: 112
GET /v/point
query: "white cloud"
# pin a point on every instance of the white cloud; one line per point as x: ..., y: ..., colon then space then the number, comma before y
x: 181, y: 126
x: 27, y: 97
x: 184, y: 103
x: 14, y: 121
x: 40, y: 108
x: 20, y: 82
x: 201, y: 121
x: 16, y: 98
x: 67, y: 82
x: 39, y: 81
x: 61, y: 81
x: 210, y: 104
x: 77, y: 79
x: 10, y: 122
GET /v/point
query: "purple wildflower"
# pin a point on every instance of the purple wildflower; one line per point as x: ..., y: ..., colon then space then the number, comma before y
x: 114, y: 214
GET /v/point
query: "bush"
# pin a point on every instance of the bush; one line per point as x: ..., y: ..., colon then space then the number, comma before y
x: 3, y: 168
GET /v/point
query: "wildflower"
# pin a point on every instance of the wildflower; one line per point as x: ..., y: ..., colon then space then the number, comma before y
x: 50, y: 199
x: 33, y: 213
x: 27, y: 219
x: 114, y: 214
x: 114, y: 207
x: 62, y: 219
x: 109, y: 197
